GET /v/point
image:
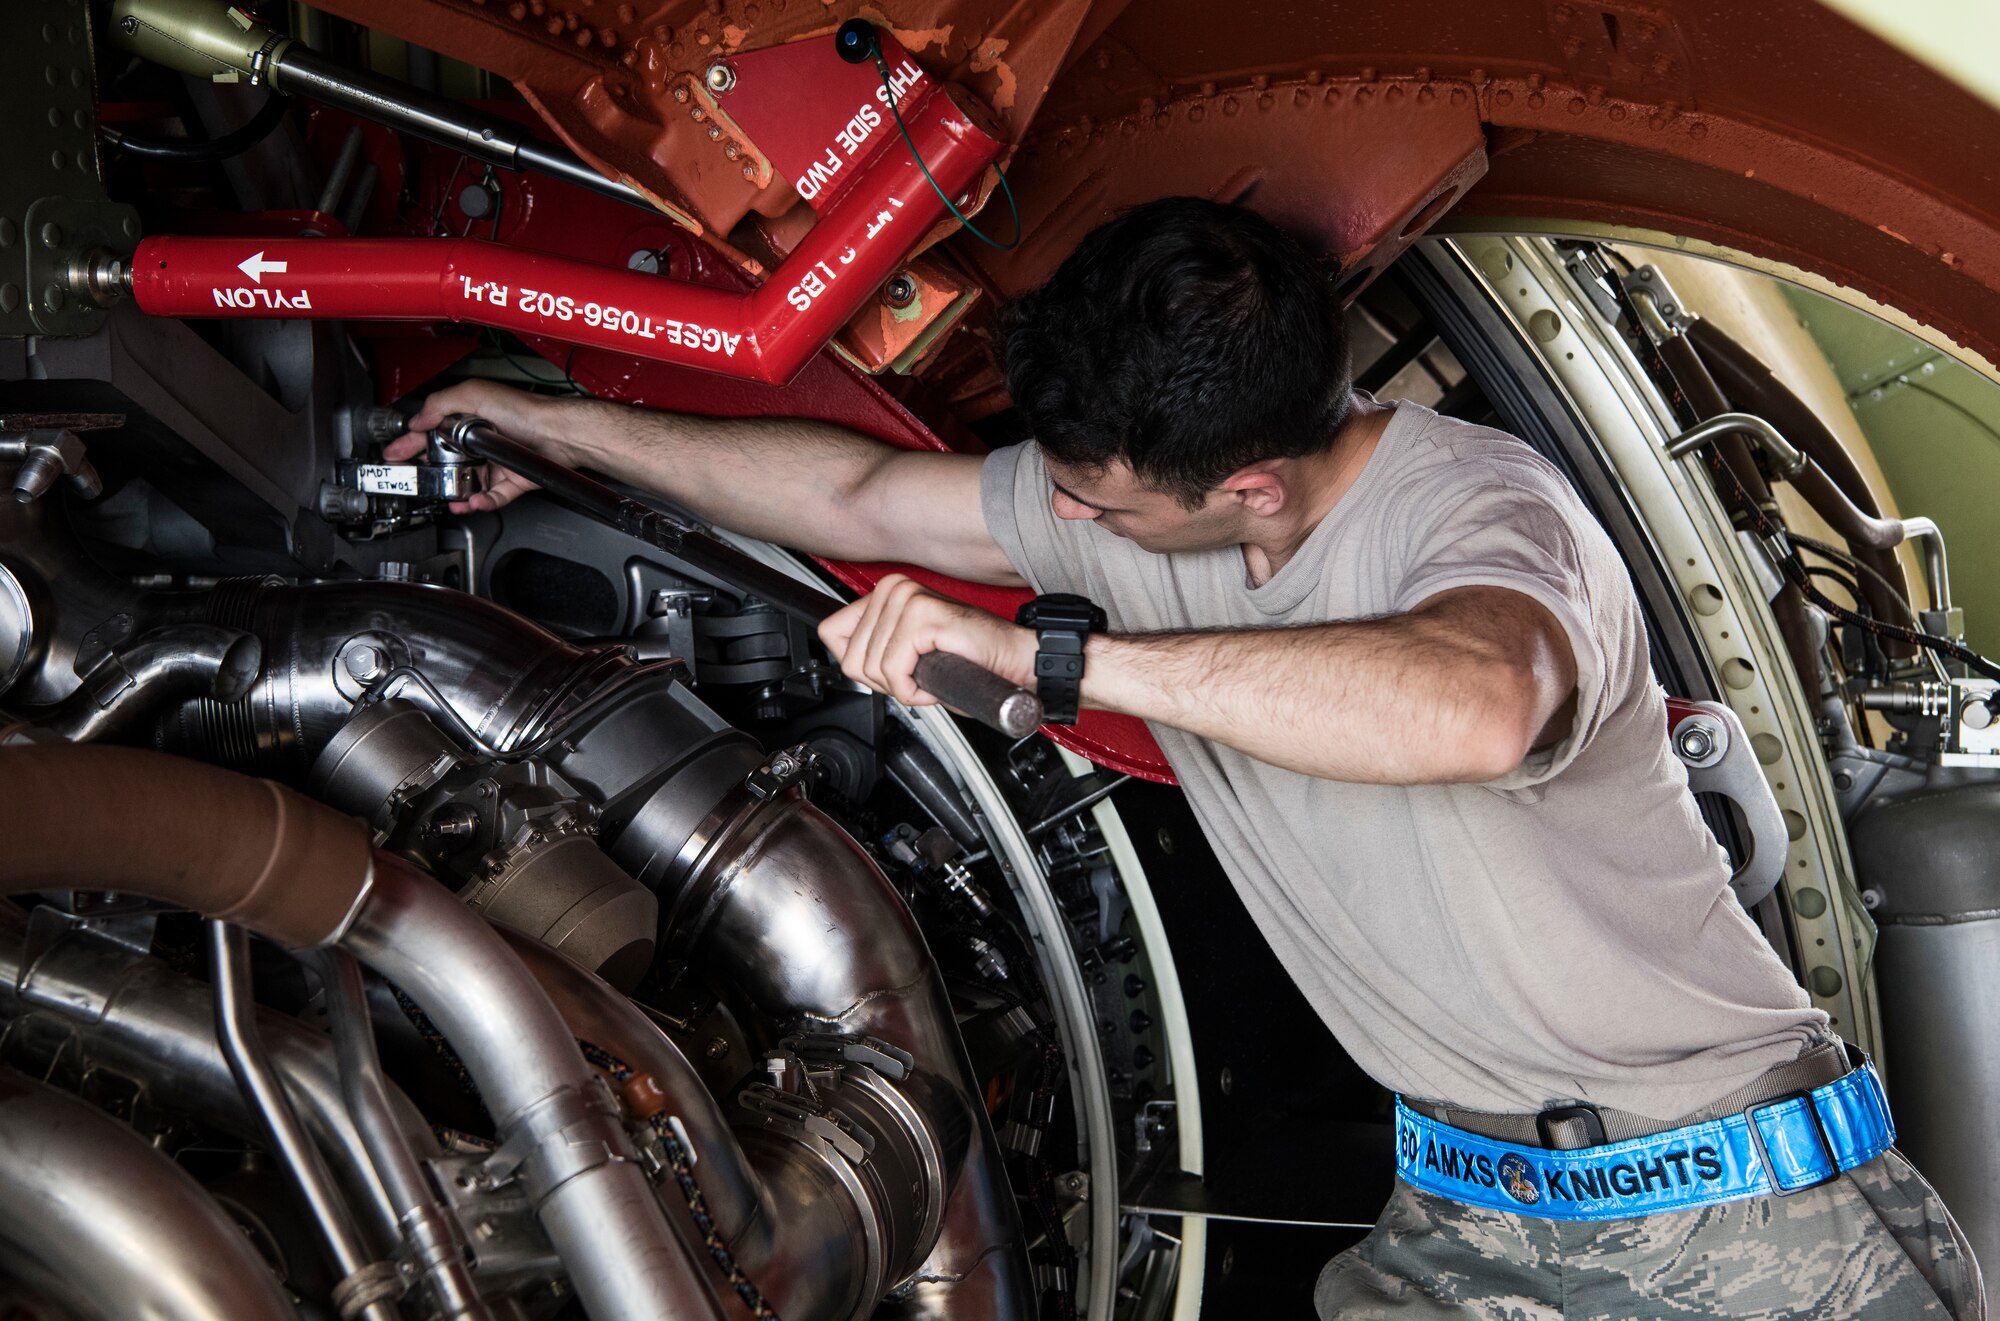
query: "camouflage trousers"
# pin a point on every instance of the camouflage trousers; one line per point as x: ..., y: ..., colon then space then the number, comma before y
x: 1875, y: 1243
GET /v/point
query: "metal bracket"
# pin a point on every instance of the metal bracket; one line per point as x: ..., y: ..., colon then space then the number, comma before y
x: 54, y: 217
x: 1662, y: 315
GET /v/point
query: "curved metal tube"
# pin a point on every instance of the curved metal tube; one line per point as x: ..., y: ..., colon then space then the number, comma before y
x: 788, y: 916
x: 80, y: 1194
x: 1790, y: 459
x: 236, y: 1026
x: 90, y: 999
x: 167, y: 666
x: 432, y: 1232
x: 1937, y: 571
x: 553, y: 1111
x: 794, y: 1230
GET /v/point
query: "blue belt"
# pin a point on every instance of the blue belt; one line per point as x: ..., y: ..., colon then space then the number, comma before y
x: 1784, y: 1145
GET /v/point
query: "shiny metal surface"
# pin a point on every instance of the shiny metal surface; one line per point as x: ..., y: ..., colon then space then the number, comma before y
x: 92, y: 1213
x: 792, y: 922
x: 1937, y: 570
x: 243, y: 1047
x: 96, y: 1002
x: 1790, y: 459
x: 67, y: 592
x: 795, y: 1226
x: 436, y: 1249
x: 576, y: 1160
x: 167, y: 666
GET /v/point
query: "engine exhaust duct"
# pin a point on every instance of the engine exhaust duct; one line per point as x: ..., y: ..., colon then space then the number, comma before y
x: 78, y: 1192
x: 302, y: 875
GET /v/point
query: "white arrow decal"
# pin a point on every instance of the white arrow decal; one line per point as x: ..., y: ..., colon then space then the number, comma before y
x: 255, y: 267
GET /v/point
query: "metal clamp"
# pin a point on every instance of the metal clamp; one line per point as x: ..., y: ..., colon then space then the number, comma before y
x: 787, y: 768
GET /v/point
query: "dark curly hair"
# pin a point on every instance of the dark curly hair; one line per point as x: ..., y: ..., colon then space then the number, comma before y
x: 1186, y: 337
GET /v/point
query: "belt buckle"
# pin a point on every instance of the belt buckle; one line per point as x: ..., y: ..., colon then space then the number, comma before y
x: 1819, y: 1130
x: 1556, y: 1127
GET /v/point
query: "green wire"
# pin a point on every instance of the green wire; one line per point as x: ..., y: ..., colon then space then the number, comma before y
x: 882, y: 66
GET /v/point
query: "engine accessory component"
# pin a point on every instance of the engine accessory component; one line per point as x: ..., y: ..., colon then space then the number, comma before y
x: 1928, y: 857
x: 212, y: 39
x: 91, y: 1213
x: 1967, y: 712
x: 559, y: 1127
x: 437, y: 1250
x: 167, y: 666
x: 45, y: 454
x: 540, y: 872
x: 958, y: 683
x: 367, y: 1288
x: 1710, y: 741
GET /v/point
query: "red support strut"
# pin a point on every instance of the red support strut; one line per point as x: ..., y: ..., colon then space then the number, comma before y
x: 765, y: 335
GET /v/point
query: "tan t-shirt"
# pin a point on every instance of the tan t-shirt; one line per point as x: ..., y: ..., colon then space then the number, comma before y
x: 1565, y: 933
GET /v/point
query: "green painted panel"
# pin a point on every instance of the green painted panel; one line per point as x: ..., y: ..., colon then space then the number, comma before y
x: 1935, y: 428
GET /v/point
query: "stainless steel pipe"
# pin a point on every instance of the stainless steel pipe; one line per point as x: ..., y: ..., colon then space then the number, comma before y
x: 109, y: 1226
x: 789, y: 920
x: 236, y: 1028
x: 164, y: 668
x: 303, y: 875
x: 91, y: 1000
x: 432, y: 1234
x: 577, y: 1161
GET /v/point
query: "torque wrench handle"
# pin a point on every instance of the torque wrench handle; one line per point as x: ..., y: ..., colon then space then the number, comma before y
x: 957, y: 682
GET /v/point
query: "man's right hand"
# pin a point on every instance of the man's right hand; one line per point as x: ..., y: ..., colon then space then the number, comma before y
x: 515, y: 414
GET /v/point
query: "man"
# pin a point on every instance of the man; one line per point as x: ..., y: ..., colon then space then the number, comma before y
x: 1402, y: 675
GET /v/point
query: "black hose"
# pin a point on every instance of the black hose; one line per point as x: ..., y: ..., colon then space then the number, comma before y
x: 183, y: 152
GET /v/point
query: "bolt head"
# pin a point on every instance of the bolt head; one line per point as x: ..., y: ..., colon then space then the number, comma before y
x: 720, y: 78
x: 364, y: 663
x: 1694, y: 742
x: 901, y: 290
x: 52, y: 235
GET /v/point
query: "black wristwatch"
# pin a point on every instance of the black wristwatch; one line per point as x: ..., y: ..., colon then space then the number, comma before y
x: 1061, y: 622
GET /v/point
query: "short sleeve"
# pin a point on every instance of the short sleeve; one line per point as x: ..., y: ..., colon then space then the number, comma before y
x: 1050, y: 552
x: 1524, y: 530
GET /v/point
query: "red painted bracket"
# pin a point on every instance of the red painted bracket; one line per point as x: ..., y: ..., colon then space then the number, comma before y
x: 868, y: 227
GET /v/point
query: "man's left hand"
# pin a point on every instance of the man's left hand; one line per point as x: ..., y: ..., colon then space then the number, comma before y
x: 878, y: 639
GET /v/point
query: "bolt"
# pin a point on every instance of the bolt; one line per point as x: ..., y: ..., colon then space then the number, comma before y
x: 717, y: 1048
x: 52, y: 235
x: 647, y: 262
x: 364, y: 663
x: 681, y: 94
x: 1694, y: 742
x: 1843, y: 781
x: 901, y: 290
x: 720, y: 78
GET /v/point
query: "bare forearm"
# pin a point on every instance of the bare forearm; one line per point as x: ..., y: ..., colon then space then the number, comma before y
x: 779, y: 479
x: 1408, y: 699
